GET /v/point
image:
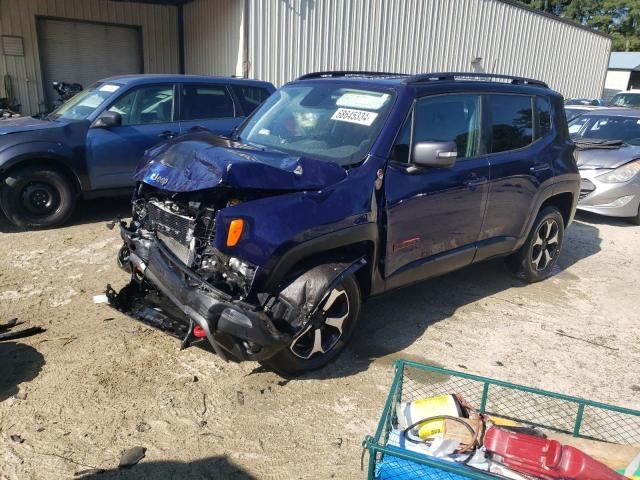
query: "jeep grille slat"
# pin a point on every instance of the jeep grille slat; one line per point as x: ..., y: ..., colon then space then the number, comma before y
x: 175, y: 230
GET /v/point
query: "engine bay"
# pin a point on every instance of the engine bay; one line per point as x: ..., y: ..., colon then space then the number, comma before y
x: 186, y: 224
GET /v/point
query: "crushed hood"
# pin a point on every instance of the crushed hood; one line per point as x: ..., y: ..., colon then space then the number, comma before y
x: 606, y: 158
x: 202, y: 160
x: 24, y: 124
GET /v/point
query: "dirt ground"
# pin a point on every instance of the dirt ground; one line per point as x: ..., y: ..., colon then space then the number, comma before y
x: 96, y: 382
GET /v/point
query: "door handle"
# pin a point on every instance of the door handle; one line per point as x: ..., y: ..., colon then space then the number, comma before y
x: 475, y: 182
x: 539, y: 167
x: 167, y: 134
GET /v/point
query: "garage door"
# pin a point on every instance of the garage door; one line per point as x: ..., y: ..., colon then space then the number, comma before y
x: 83, y: 52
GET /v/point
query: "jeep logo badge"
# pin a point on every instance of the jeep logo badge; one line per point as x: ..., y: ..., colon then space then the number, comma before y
x: 159, y: 178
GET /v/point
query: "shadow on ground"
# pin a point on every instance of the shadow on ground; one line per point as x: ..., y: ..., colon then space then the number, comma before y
x: 392, y: 322
x: 213, y: 468
x: 19, y: 363
x: 87, y: 211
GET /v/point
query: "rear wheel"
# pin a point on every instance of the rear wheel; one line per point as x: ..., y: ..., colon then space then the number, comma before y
x: 37, y: 197
x: 536, y: 258
x: 326, y: 334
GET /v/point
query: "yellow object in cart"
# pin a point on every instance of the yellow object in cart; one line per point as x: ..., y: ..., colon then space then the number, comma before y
x: 430, y: 407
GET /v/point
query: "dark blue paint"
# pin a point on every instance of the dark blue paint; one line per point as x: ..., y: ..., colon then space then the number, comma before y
x: 436, y: 206
x: 196, y: 162
x: 428, y: 215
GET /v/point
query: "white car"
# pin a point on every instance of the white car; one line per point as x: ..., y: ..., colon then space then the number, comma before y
x: 626, y: 98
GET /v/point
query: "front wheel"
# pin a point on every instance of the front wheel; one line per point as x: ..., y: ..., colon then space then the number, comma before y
x: 326, y: 334
x: 536, y: 258
x: 36, y: 197
x: 635, y: 220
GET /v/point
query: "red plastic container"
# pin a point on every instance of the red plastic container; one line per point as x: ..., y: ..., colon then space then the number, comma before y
x: 546, y: 459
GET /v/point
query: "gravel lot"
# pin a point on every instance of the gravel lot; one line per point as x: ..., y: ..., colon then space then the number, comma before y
x: 96, y: 382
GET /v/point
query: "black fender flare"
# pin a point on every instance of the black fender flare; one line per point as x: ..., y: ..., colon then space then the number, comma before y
x: 276, y: 271
x: 305, y: 293
x: 571, y: 186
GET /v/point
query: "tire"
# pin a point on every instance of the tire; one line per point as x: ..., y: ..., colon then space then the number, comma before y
x: 341, y: 307
x: 635, y: 220
x: 537, y: 257
x: 37, y: 197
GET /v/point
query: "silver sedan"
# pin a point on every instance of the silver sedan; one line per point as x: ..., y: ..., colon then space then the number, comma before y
x: 608, y: 156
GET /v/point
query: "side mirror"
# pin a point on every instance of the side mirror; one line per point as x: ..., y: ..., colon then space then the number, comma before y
x: 107, y: 120
x: 434, y: 154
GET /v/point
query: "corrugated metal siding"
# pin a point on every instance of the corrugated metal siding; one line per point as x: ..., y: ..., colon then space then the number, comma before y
x: 213, y: 37
x: 290, y: 37
x: 18, y: 17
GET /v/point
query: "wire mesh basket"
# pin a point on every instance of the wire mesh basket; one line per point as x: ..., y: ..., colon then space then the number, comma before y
x: 527, y: 406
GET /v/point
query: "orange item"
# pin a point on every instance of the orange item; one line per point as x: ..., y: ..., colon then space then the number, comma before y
x: 235, y: 231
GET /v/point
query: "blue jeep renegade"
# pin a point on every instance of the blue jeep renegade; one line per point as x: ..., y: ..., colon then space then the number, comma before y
x: 343, y: 185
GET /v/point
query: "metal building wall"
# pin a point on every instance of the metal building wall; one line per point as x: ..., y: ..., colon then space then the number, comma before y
x: 287, y: 38
x: 213, y: 37
x: 18, y: 17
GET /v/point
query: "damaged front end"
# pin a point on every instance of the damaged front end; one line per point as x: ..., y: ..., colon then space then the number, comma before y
x: 182, y: 283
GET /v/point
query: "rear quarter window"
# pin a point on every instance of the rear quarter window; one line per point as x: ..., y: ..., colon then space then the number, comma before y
x: 511, y: 122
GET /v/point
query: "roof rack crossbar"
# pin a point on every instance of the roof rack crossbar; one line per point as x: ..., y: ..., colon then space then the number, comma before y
x: 350, y: 73
x: 449, y: 76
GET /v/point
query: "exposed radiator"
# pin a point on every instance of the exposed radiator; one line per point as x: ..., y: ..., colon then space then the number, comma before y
x: 173, y: 229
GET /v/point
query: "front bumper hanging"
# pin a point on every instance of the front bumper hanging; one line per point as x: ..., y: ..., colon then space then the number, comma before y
x: 182, y: 301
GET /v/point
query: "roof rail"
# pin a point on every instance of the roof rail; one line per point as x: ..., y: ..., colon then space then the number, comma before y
x: 465, y: 76
x: 350, y: 73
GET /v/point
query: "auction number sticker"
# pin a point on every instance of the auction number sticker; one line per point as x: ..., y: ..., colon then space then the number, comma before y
x: 109, y: 87
x: 361, y: 117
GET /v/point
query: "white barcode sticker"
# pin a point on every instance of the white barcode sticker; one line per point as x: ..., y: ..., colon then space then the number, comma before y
x: 361, y: 117
x: 358, y: 99
x: 108, y: 87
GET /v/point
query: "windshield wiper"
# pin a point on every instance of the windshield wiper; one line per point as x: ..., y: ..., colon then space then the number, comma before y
x: 255, y: 146
x: 597, y: 143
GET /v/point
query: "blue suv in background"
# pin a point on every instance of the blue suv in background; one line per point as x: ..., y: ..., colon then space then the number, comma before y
x: 343, y: 185
x: 91, y: 144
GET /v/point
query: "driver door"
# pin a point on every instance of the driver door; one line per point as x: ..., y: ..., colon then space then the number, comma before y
x: 148, y: 118
x: 435, y: 214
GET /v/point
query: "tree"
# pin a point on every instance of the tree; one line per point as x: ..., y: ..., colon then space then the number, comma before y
x: 620, y: 19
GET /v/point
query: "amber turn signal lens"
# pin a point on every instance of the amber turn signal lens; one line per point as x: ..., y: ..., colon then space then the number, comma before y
x: 235, y: 231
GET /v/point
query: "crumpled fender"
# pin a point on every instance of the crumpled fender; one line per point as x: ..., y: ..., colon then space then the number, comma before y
x: 308, y: 290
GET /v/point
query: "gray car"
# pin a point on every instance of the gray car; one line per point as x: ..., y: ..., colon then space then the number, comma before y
x: 608, y: 156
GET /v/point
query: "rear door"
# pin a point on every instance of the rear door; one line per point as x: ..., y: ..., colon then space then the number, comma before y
x: 434, y: 215
x: 520, y: 158
x: 148, y: 118
x: 210, y: 106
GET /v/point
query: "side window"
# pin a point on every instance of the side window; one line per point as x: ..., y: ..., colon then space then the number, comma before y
x: 146, y: 105
x: 449, y: 118
x: 200, y: 102
x: 249, y: 97
x: 544, y: 116
x: 511, y: 122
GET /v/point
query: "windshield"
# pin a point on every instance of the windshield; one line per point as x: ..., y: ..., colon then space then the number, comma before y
x: 604, y: 127
x: 326, y: 122
x: 83, y: 104
x: 625, y: 100
x: 574, y: 112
